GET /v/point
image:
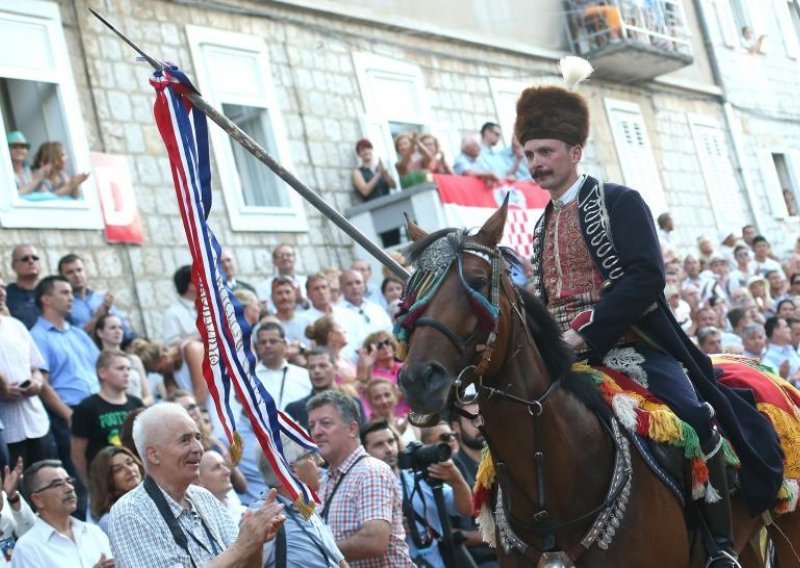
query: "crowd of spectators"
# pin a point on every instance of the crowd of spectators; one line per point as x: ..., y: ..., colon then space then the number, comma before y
x: 46, y: 177
x: 737, y: 296
x: 482, y: 156
x: 94, y: 412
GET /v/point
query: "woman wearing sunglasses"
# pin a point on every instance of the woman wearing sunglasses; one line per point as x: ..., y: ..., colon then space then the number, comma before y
x: 376, y: 361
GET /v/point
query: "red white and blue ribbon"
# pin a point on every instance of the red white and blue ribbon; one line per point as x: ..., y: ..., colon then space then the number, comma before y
x: 229, y: 364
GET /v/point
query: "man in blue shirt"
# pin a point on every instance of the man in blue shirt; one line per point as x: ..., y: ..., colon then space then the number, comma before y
x: 88, y: 306
x: 69, y: 363
x: 780, y: 354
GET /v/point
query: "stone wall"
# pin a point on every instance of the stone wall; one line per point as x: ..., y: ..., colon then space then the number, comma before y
x: 319, y: 98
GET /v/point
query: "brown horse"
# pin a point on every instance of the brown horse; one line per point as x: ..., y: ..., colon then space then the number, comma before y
x: 557, y: 465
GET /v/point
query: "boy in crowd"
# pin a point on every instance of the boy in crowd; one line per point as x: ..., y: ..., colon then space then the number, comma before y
x: 97, y: 420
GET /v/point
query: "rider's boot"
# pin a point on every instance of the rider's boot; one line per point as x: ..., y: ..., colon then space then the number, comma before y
x: 717, y: 515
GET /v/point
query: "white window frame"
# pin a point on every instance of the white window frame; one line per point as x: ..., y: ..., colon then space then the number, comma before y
x: 730, y: 35
x: 243, y: 217
x: 722, y: 186
x: 640, y: 171
x: 378, y: 115
x: 783, y: 10
x: 773, y: 187
x: 16, y: 212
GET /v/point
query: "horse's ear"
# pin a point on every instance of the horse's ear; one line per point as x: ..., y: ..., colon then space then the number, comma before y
x: 492, y: 230
x: 415, y: 233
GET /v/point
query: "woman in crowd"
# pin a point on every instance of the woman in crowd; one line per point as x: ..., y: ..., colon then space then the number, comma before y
x: 371, y: 180
x: 181, y: 364
x: 28, y: 181
x: 410, y: 152
x: 108, y: 334
x: 327, y: 332
x: 376, y: 361
x: 760, y: 293
x: 250, y: 305
x: 785, y: 309
x: 57, y: 182
x: 435, y: 161
x: 382, y: 397
x: 392, y: 290
x: 114, y: 472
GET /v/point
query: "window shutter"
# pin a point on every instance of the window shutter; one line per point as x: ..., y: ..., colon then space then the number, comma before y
x: 788, y: 30
x: 727, y: 25
x: 718, y: 174
x: 635, y: 154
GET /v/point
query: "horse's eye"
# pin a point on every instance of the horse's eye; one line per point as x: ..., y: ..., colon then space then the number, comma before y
x: 478, y: 283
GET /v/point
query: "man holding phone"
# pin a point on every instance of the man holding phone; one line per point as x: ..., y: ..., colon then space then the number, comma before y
x: 27, y: 427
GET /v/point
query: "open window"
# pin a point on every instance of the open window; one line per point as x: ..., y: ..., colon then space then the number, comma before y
x: 780, y: 172
x: 36, y: 89
x: 233, y: 73
x: 393, y: 93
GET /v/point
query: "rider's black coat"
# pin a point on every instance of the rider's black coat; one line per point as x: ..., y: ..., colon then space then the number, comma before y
x: 618, y: 228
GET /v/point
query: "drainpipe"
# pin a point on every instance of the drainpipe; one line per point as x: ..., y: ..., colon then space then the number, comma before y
x: 732, y: 128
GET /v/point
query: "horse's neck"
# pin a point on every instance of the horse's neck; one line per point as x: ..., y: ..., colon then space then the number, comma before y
x: 576, y: 454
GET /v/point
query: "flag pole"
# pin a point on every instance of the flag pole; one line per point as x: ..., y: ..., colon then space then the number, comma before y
x: 249, y: 144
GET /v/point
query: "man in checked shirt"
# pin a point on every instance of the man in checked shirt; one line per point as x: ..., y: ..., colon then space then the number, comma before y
x: 361, y: 498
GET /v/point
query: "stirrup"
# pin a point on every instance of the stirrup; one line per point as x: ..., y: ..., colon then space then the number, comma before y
x: 729, y: 560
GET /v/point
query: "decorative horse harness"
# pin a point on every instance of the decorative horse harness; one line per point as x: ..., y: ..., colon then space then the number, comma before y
x: 433, y: 266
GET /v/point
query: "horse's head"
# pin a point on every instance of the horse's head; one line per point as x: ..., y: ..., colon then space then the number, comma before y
x: 452, y: 315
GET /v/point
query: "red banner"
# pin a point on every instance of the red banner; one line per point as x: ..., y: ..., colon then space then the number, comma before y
x: 468, y: 202
x: 114, y: 185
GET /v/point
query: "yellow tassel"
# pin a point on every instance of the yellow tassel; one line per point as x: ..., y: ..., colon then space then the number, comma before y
x: 664, y: 426
x: 236, y: 449
x: 486, y: 474
x: 305, y: 509
x: 788, y: 430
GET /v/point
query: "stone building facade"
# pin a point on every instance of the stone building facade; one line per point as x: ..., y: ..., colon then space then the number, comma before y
x: 317, y: 76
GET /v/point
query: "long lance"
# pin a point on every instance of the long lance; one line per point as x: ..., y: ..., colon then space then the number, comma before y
x: 247, y: 142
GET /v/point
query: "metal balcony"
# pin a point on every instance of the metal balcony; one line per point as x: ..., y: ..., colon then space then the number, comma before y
x: 629, y: 41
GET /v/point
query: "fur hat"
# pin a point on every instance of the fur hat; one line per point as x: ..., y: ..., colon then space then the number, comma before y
x: 555, y: 112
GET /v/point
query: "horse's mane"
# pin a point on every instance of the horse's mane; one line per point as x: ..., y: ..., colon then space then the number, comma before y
x: 558, y: 357
x: 415, y: 249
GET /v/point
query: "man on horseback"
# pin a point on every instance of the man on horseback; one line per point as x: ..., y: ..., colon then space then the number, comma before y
x: 598, y: 268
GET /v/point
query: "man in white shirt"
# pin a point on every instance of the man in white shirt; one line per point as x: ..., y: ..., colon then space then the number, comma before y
x: 284, y: 382
x: 284, y: 299
x: 372, y: 292
x: 27, y: 426
x: 763, y: 263
x: 360, y: 317
x: 283, y: 259
x: 56, y: 538
x: 180, y: 319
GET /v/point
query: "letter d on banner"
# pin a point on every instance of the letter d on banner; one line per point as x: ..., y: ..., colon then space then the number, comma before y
x: 114, y: 185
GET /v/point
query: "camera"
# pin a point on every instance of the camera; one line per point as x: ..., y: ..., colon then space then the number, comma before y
x: 418, y: 457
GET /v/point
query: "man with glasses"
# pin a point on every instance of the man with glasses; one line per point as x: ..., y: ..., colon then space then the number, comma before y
x: 25, y: 262
x: 57, y: 538
x: 491, y: 151
x: 299, y: 542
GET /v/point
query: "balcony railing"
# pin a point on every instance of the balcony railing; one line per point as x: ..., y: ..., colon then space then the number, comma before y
x: 629, y: 40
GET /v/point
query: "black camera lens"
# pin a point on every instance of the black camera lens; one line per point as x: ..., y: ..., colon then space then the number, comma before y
x: 418, y: 457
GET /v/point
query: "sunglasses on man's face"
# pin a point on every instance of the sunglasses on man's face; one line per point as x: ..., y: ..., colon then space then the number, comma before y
x: 28, y: 258
x: 449, y: 437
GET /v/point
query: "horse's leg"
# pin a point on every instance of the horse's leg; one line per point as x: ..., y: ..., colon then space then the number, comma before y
x: 785, y: 535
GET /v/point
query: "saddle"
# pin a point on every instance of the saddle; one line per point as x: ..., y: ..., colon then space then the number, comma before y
x: 670, y: 447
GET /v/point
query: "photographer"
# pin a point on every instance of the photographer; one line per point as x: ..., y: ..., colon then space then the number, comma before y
x: 423, y: 468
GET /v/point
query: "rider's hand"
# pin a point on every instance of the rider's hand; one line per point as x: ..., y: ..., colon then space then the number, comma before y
x: 574, y: 340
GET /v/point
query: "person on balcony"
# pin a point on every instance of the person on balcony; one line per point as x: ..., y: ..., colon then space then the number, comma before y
x: 471, y: 163
x: 371, y: 180
x: 436, y: 163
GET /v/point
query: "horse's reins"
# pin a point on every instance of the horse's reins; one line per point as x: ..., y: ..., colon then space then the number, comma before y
x: 535, y: 406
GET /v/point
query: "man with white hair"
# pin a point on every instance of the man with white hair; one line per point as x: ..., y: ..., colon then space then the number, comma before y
x: 166, y: 521
x: 299, y: 542
x: 470, y: 163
